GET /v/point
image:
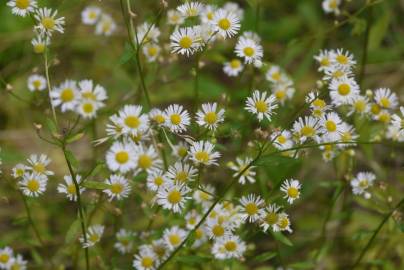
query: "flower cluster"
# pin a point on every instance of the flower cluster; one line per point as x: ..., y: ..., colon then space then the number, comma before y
x: 11, y: 261
x: 104, y: 23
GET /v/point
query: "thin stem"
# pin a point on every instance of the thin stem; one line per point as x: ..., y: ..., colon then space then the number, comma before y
x: 31, y: 221
x: 80, y: 207
x: 386, y: 217
x: 49, y: 84
x: 365, y: 48
x: 196, y: 81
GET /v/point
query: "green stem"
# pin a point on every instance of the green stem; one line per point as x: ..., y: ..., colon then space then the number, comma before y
x: 386, y: 217
x: 31, y: 221
x: 196, y: 82
x: 49, y: 84
x: 80, y: 206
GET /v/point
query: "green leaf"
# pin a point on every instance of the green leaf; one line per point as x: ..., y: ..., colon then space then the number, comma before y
x: 95, y: 185
x: 71, y: 158
x: 127, y: 54
x: 266, y: 256
x: 279, y: 167
x: 359, y: 26
x: 50, y: 124
x: 378, y: 30
x: 282, y: 238
x: 72, y: 231
x: 75, y: 137
x: 302, y: 265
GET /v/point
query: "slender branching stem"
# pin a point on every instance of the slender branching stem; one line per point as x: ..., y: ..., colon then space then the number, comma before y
x: 45, y: 55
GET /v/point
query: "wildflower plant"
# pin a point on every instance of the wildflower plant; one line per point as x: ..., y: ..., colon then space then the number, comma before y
x: 189, y: 136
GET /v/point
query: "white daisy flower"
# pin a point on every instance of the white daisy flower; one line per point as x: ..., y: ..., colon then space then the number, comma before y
x: 69, y: 188
x: 331, y: 125
x: 185, y: 41
x: 114, y: 128
x: 331, y: 6
x: 261, y: 104
x: 22, y: 7
x: 190, y: 9
x: 207, y: 14
x: 160, y: 249
x: 6, y: 255
x: 323, y: 59
x: 234, y: 8
x: 227, y: 24
x: 151, y: 51
x: 251, y: 35
x: 47, y: 21
x: 343, y: 91
x: 121, y: 157
x: 283, y: 92
x: 17, y: 263
x: 147, y: 158
x: 318, y: 106
x: 39, y: 43
x: 119, y: 187
x: 175, y: 17
x: 283, y: 223
x: 147, y: 33
x: 336, y: 72
x: 156, y: 179
x: 306, y: 128
x: 87, y: 108
x: 240, y: 165
x: 94, y: 234
x: 36, y: 83
x: 200, y: 237
x: 233, y: 68
x: 174, y: 237
x: 95, y: 93
x: 38, y: 164
x: 204, y: 195
x: 177, y: 118
x: 383, y: 116
x: 218, y: 227
x: 275, y: 74
x: 180, y: 150
x: 132, y: 119
x: 173, y: 196
x: 157, y: 116
x: 66, y: 95
x: 342, y: 59
x: 362, y: 182
x: 348, y: 134
x: 124, y: 242
x: 385, y: 98
x: 398, y: 121
x: 145, y: 259
x: 33, y: 184
x: 270, y: 217
x: 250, y: 50
x: 252, y: 207
x: 90, y: 15
x: 201, y: 152
x: 181, y: 172
x: 105, y: 26
x: 192, y: 219
x: 228, y: 247
x: 395, y: 133
x: 19, y: 170
x: 209, y: 116
x: 291, y: 188
x: 360, y: 105
x: 282, y: 140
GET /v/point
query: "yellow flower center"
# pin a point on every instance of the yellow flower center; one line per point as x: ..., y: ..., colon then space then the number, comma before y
x: 204, y: 196
x: 33, y: 185
x: 89, y: 95
x: 182, y: 151
x: 116, y: 188
x: 293, y: 192
x: 218, y: 230
x: 342, y: 59
x: 360, y: 105
x: 106, y: 26
x: 94, y: 237
x: 271, y: 218
x: 224, y: 24
x: 152, y: 51
x: 210, y: 118
x: 147, y: 262
x: 88, y: 107
x: 330, y: 126
x: 39, y: 48
x: 158, y: 181
x: 92, y: 15
x: 325, y: 62
x: 319, y: 103
x: 280, y: 94
x: 48, y: 23
x: 364, y: 183
x: 37, y: 84
x: 175, y: 119
x: 144, y: 161
x: 15, y: 266
x: 4, y: 258
x: 261, y: 106
x: 198, y: 233
x: 132, y: 121
x: 209, y: 15
x: 375, y: 109
x: 185, y: 42
x: 181, y: 176
x: 71, y: 189
x: 276, y: 76
x: 122, y: 157
x: 307, y: 131
x: 283, y: 223
x: 235, y: 63
x: 174, y: 239
x: 22, y: 4
x: 174, y: 197
x: 39, y: 168
x: 281, y: 139
x: 344, y: 89
x: 251, y: 209
x: 385, y: 102
x: 248, y: 51
x: 159, y: 119
x: 67, y: 95
x: 337, y: 73
x: 230, y: 246
x: 384, y: 117
x: 202, y: 156
x: 19, y: 172
x: 346, y: 136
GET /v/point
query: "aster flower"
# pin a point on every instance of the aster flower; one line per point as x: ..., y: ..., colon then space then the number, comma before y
x: 233, y: 68
x: 173, y: 196
x: 181, y: 172
x: 66, y: 95
x: 241, y: 165
x: 69, y: 188
x: 105, y: 26
x: 36, y: 83
x: 93, y: 236
x: 291, y: 188
x: 185, y: 41
x: 306, y: 128
x: 145, y: 259
x: 202, y: 153
x: 47, y: 21
x: 227, y: 24
x: 362, y: 182
x: 121, y: 157
x: 252, y: 207
x: 90, y: 15
x: 39, y: 43
x: 270, y: 217
x: 22, y: 7
x: 178, y: 118
x: 385, y: 98
x: 250, y: 50
x: 261, y: 104
x: 209, y: 116
x: 173, y: 237
x: 33, y: 184
x: 190, y: 9
x: 343, y: 91
x: 124, y: 243
x: 119, y: 187
x: 228, y: 247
